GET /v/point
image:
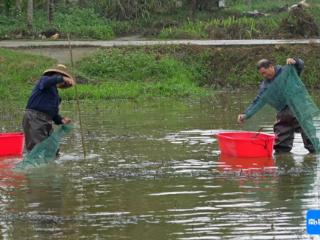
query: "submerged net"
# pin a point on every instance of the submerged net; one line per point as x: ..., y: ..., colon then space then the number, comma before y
x: 288, y: 89
x: 45, y: 151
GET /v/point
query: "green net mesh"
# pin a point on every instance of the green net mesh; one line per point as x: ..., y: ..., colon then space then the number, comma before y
x: 45, y: 151
x: 288, y: 89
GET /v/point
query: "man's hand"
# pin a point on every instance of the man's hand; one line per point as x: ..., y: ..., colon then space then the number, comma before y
x: 241, y: 118
x: 68, y: 81
x: 291, y: 61
x: 66, y: 120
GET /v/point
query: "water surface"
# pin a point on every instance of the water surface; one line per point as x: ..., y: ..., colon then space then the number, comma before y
x: 153, y: 171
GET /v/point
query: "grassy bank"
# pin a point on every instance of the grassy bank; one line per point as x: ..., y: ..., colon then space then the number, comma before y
x: 130, y: 73
x: 258, y: 20
x: 108, y: 74
x: 80, y: 23
x: 18, y: 72
x: 156, y: 71
x: 241, y: 19
x: 227, y: 28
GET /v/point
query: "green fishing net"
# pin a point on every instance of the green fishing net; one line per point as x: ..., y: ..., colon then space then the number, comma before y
x: 288, y: 89
x: 45, y: 151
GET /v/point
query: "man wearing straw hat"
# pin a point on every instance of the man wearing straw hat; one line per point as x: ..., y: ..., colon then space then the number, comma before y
x: 43, y: 105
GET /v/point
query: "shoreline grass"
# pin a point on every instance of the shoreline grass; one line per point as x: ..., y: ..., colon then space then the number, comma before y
x: 232, y: 22
x: 155, y: 71
x: 227, y: 28
x: 18, y: 72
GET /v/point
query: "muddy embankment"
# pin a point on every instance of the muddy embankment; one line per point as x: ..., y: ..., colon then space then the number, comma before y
x: 235, y: 66
x: 217, y: 66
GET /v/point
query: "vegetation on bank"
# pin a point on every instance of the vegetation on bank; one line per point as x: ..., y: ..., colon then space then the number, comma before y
x: 18, y: 72
x: 227, y: 28
x: 156, y: 71
x: 260, y: 20
x: 80, y: 23
x: 108, y: 74
x: 131, y: 73
x: 202, y: 19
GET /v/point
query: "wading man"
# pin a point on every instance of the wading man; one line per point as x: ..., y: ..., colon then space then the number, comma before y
x: 286, y: 124
x: 43, y: 105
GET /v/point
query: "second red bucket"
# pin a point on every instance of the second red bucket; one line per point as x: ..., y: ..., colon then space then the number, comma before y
x: 11, y: 144
x: 246, y: 144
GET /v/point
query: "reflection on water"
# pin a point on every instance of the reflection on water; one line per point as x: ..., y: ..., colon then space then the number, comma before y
x: 248, y: 166
x: 154, y: 171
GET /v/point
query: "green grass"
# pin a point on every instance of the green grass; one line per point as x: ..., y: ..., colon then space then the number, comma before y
x: 94, y: 22
x: 83, y: 23
x: 80, y: 23
x: 232, y: 22
x: 157, y: 71
x: 111, y: 75
x: 228, y: 28
x: 19, y: 72
x: 119, y: 73
x: 261, y: 5
x: 135, y: 90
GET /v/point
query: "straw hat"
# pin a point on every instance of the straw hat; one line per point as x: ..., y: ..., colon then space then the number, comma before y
x: 62, y: 69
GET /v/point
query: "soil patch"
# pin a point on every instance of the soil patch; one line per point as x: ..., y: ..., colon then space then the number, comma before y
x: 299, y: 23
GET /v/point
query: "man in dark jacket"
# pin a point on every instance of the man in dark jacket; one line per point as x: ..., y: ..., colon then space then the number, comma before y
x: 43, y: 105
x: 286, y: 124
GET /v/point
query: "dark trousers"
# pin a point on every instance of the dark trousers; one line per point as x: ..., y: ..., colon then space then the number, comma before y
x: 284, y: 128
x: 37, y: 126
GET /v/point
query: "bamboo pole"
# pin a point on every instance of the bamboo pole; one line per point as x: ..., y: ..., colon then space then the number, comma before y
x: 77, y: 99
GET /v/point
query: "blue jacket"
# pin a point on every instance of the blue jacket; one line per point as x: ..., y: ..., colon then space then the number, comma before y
x: 45, y: 97
x: 253, y: 108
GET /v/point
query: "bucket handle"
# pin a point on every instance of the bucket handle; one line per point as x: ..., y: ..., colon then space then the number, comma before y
x: 258, y: 132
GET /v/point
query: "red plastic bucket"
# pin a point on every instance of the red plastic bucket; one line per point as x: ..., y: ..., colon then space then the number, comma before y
x: 246, y: 144
x: 11, y: 144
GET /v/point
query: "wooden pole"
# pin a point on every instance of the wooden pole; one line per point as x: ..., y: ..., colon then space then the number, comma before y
x: 77, y: 99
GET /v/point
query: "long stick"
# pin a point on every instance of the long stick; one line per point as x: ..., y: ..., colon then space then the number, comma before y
x: 77, y: 99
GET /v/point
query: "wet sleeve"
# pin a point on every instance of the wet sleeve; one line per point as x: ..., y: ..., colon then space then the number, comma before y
x: 256, y: 104
x: 46, y: 81
x: 299, y: 65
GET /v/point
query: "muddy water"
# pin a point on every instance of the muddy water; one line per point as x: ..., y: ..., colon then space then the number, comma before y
x: 153, y: 171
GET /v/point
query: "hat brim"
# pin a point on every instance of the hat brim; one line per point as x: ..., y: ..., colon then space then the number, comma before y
x: 54, y: 70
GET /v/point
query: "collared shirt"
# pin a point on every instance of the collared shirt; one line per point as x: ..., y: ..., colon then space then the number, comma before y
x: 45, y: 97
